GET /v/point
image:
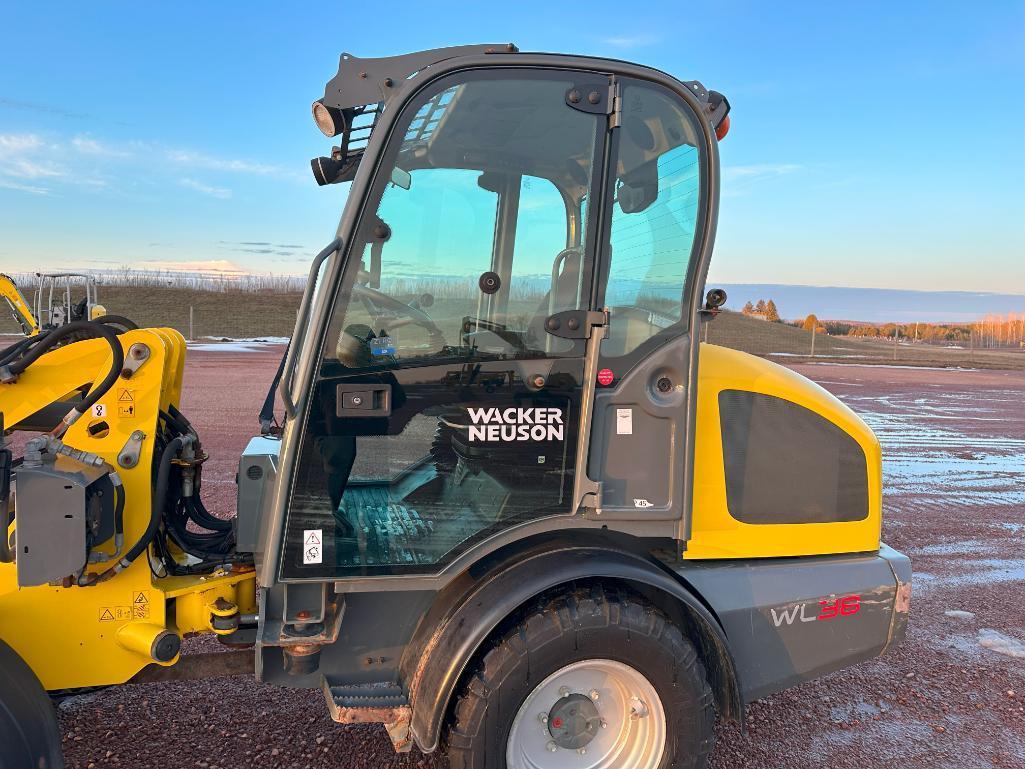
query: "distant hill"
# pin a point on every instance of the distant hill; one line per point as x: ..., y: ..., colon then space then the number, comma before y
x: 873, y: 305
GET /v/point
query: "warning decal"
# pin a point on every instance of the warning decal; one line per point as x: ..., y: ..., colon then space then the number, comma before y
x: 140, y: 604
x: 624, y: 422
x: 313, y: 546
x: 118, y: 613
x: 125, y: 396
x: 99, y: 410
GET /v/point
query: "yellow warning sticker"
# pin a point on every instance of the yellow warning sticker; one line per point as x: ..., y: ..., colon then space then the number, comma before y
x: 117, y: 613
x: 140, y: 596
x: 126, y: 411
x: 125, y: 395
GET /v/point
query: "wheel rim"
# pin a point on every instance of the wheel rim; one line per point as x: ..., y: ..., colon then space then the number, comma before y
x: 632, y: 731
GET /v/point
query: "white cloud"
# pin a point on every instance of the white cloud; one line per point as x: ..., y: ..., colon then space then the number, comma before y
x: 198, y: 160
x: 630, y: 41
x: 9, y: 185
x: 759, y: 170
x: 736, y: 179
x: 199, y: 265
x: 24, y: 157
x: 215, y: 192
x: 86, y: 145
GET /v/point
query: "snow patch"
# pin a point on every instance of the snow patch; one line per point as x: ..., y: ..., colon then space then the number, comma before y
x: 959, y: 614
x: 1001, y: 644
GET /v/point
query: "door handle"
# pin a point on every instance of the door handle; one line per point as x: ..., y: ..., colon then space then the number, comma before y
x: 362, y: 400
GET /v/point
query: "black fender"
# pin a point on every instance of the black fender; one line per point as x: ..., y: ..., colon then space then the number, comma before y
x: 29, y: 735
x: 476, y: 603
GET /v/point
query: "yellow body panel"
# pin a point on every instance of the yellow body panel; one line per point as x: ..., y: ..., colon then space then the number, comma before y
x: 717, y: 534
x: 70, y: 636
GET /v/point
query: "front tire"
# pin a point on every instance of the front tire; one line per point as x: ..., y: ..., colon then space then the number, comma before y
x: 591, y: 679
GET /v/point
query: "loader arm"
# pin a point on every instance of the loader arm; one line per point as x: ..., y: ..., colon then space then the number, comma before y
x: 19, y: 306
x: 95, y: 561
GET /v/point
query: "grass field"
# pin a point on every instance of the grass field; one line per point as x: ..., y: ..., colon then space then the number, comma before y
x: 241, y: 314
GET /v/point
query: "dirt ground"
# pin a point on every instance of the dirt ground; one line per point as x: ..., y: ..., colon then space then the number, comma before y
x: 953, y: 695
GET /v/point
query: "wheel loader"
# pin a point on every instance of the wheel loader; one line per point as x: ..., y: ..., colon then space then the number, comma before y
x: 513, y: 509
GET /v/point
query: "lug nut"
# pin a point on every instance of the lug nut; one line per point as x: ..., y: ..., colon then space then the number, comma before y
x: 542, y: 717
x: 604, y: 724
x: 564, y: 691
x: 552, y: 747
x: 594, y: 694
x: 582, y: 751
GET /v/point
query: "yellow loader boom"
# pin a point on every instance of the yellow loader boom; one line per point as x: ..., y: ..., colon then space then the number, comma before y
x: 19, y: 307
x: 98, y: 549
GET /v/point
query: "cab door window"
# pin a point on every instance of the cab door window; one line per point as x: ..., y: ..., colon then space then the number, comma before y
x: 658, y: 192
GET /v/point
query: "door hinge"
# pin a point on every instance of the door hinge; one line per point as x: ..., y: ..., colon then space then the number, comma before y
x: 616, y: 105
x: 591, y: 493
x: 575, y: 324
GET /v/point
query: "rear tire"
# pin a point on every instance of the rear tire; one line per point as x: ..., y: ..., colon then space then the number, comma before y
x: 29, y: 736
x: 613, y: 639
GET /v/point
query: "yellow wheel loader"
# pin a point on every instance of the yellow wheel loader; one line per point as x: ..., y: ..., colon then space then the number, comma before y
x: 515, y: 510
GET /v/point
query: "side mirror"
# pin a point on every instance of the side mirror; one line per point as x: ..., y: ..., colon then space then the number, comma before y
x: 714, y: 300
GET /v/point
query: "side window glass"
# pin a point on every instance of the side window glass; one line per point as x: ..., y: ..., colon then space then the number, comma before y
x: 654, y: 216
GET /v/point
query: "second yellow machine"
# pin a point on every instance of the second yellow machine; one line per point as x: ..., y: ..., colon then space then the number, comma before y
x: 516, y: 511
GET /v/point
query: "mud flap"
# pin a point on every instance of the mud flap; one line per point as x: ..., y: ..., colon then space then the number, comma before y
x: 29, y: 735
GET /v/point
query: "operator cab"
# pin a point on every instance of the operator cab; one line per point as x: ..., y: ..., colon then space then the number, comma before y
x: 481, y: 291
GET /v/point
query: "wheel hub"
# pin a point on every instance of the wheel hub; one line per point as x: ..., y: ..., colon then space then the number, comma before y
x: 573, y: 721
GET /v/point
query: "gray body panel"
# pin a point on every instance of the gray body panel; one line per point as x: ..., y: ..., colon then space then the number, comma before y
x: 51, y: 536
x: 257, y: 471
x: 772, y: 615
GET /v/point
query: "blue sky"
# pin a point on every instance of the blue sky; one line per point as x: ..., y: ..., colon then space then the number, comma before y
x: 873, y: 144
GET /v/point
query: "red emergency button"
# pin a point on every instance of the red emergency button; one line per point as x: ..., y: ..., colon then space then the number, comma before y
x: 605, y: 377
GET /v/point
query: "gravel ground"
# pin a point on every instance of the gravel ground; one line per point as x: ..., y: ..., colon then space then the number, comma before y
x: 953, y: 695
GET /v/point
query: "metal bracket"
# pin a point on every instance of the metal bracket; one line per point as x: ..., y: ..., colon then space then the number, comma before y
x: 575, y: 324
x: 368, y: 81
x: 138, y: 354
x: 128, y: 457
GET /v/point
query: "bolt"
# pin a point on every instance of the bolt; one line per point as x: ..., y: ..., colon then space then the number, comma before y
x: 388, y: 82
x: 138, y: 435
x: 542, y: 717
x: 594, y: 694
x: 574, y: 96
x: 582, y: 751
x: 363, y: 75
x: 564, y: 691
x: 552, y: 747
x: 539, y: 381
x: 604, y: 724
x: 594, y: 97
x: 302, y: 615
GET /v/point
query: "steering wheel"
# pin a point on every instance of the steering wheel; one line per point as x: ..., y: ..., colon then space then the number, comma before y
x: 354, y: 342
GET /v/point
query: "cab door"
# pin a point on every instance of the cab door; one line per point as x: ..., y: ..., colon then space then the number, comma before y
x: 658, y: 203
x: 444, y: 410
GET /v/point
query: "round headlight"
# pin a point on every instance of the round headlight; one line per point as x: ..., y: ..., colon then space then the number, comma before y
x: 328, y: 119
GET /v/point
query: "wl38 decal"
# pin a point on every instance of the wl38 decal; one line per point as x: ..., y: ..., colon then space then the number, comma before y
x: 847, y: 606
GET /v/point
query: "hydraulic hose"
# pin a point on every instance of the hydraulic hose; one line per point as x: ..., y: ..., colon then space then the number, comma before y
x: 171, y: 450
x: 9, y: 371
